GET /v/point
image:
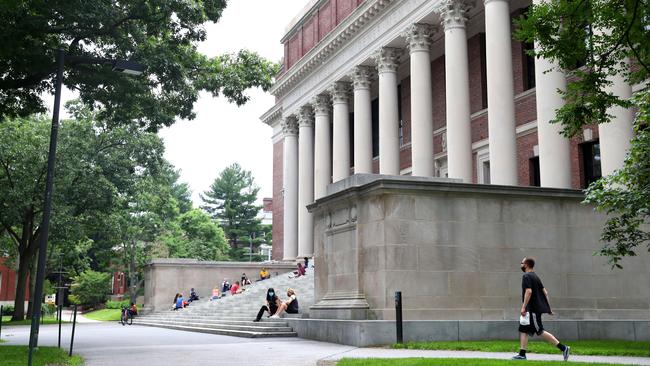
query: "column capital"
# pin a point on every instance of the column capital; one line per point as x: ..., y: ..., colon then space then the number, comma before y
x: 340, y: 91
x: 362, y: 77
x: 454, y: 13
x: 306, y: 116
x: 290, y: 126
x: 321, y: 104
x: 387, y: 59
x: 420, y: 36
x: 490, y: 1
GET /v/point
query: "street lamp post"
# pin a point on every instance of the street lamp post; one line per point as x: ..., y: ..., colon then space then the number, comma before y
x: 127, y: 67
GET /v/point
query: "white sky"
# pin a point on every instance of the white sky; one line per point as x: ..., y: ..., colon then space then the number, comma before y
x: 222, y: 133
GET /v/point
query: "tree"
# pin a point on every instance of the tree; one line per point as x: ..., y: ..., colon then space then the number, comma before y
x: 96, y: 167
x: 601, y: 36
x: 161, y: 34
x: 231, y: 201
x: 90, y: 288
x: 196, y: 235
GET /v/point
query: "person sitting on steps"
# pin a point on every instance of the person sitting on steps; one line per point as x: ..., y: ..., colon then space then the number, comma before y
x: 264, y: 274
x: 290, y: 306
x: 193, y: 295
x: 272, y: 304
x: 299, y: 272
x: 216, y: 294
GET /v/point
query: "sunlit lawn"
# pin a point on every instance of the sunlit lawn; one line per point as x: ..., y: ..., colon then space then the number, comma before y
x: 104, y: 315
x: 50, y: 356
x: 6, y: 320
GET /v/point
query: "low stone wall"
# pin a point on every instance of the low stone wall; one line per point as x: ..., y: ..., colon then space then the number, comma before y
x: 363, y: 333
x: 163, y: 278
x: 454, y: 250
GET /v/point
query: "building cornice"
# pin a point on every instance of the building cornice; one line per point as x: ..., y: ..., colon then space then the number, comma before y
x: 273, y: 115
x: 342, y: 33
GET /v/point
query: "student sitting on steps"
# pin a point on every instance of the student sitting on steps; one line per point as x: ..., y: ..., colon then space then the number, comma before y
x: 272, y: 304
x: 290, y: 306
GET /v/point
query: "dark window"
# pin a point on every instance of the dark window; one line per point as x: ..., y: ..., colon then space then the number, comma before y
x: 528, y: 66
x: 375, y: 128
x: 351, y: 116
x: 590, y: 162
x: 484, y: 97
x: 399, y: 115
x: 486, y: 172
x: 533, y: 166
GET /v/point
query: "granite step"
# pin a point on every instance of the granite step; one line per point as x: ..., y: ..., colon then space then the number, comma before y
x: 228, y: 332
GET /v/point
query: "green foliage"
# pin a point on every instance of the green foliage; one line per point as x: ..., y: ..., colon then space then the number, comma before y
x: 161, y: 34
x: 196, y: 235
x: 118, y: 304
x: 104, y: 314
x: 7, y: 310
x: 231, y: 201
x: 604, y: 37
x: 90, y: 287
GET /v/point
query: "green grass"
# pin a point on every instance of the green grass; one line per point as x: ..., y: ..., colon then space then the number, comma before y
x: 104, y: 315
x: 592, y: 348
x: 50, y: 356
x: 6, y: 320
x: 448, y: 362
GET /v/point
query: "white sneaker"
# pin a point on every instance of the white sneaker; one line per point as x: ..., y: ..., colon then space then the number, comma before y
x: 274, y: 317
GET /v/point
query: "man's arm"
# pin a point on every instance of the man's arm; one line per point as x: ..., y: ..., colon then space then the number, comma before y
x: 527, y: 295
x: 548, y: 301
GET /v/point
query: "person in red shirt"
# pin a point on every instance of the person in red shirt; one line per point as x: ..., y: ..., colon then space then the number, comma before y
x: 235, y: 288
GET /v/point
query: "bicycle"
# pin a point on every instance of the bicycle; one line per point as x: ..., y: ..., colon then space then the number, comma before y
x: 126, y: 317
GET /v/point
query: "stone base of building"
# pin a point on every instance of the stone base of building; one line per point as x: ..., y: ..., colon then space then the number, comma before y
x: 363, y: 333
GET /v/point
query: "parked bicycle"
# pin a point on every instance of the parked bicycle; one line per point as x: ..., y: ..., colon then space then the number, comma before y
x: 126, y: 317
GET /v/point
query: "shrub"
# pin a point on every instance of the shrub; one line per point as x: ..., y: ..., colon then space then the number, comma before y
x: 7, y: 310
x: 90, y: 288
x: 117, y: 304
x: 48, y: 309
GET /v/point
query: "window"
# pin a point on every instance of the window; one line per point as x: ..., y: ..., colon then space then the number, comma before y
x: 375, y: 128
x: 486, y: 172
x: 528, y: 66
x: 590, y: 162
x: 533, y: 168
x: 484, y: 97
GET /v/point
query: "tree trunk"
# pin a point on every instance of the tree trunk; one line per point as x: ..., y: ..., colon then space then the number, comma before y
x: 21, y: 284
x: 32, y: 286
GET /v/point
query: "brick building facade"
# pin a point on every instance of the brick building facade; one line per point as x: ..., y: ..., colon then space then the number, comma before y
x: 327, y: 31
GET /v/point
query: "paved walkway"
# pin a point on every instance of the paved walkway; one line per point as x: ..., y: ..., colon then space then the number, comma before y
x: 68, y: 314
x: 109, y: 343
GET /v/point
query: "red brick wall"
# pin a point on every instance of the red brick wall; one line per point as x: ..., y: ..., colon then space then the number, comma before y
x: 8, y: 283
x: 278, y: 202
x: 475, y: 71
x: 439, y: 89
x: 344, y: 8
x: 326, y: 20
x: 309, y: 35
x: 525, y: 109
x: 480, y: 127
x: 405, y: 105
x: 267, y: 204
x: 525, y: 151
x: 294, y: 50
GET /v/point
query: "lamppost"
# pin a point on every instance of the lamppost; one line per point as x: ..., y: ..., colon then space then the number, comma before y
x: 127, y: 67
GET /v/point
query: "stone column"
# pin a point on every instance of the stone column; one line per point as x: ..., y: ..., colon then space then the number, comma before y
x: 419, y: 37
x: 322, y: 146
x: 341, y: 130
x: 500, y: 90
x: 387, y: 63
x: 362, y: 79
x: 305, y: 182
x: 554, y: 149
x: 615, y: 136
x: 459, y: 129
x: 290, y: 179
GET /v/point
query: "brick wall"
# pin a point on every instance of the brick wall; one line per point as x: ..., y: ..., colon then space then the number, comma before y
x: 8, y: 283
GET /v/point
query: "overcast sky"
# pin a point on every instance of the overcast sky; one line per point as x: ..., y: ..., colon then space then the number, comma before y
x: 222, y: 133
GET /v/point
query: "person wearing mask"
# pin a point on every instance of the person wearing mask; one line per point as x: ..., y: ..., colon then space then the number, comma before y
x: 290, y: 306
x: 272, y: 304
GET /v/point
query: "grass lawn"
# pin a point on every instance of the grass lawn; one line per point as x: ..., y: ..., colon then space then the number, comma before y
x: 592, y: 348
x: 448, y: 362
x: 17, y: 356
x: 6, y: 320
x: 104, y: 315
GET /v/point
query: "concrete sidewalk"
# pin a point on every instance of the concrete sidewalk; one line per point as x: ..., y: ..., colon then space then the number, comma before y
x: 405, y: 353
x: 67, y: 315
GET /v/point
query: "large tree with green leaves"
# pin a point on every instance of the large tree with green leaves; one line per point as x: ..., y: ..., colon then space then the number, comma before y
x: 604, y: 38
x: 231, y: 201
x: 96, y: 168
x: 195, y: 235
x: 161, y: 34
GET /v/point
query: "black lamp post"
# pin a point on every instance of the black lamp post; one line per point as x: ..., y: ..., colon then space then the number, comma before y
x: 127, y: 67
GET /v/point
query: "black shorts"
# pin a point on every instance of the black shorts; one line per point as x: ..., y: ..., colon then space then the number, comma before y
x: 535, y: 326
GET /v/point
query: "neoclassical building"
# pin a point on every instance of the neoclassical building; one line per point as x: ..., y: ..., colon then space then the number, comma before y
x: 432, y: 88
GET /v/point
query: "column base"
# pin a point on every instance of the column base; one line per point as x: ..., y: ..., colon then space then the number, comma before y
x: 341, y: 305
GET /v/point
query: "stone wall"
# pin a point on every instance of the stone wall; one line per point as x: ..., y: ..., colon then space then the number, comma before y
x: 454, y: 250
x: 163, y: 278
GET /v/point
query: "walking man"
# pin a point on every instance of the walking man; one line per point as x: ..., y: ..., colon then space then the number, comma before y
x: 535, y: 303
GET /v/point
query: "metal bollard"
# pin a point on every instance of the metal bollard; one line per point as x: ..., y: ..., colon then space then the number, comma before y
x: 1, y: 313
x: 398, y: 316
x: 74, y: 322
x: 59, y: 312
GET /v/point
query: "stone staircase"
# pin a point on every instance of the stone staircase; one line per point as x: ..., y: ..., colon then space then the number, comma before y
x: 234, y: 315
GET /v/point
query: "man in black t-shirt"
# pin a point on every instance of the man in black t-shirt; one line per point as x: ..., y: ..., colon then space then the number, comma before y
x: 534, y: 298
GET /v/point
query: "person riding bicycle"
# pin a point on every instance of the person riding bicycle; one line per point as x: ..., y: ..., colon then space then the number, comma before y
x: 133, y: 310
